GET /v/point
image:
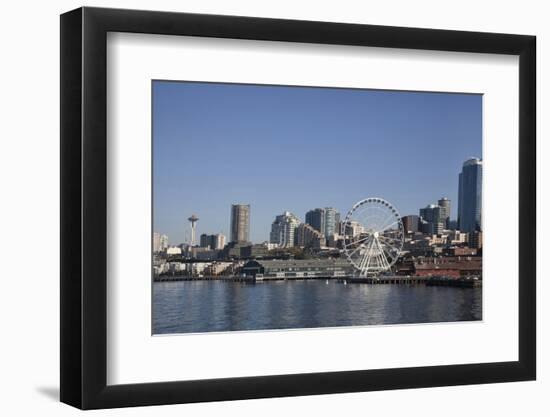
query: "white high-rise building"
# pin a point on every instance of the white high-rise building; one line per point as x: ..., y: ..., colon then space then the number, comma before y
x: 283, y: 229
x: 156, y: 242
x: 163, y: 243
x: 219, y: 241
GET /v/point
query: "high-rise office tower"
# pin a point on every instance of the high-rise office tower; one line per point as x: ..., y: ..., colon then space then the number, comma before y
x: 156, y: 242
x: 218, y: 241
x: 445, y: 211
x: 410, y: 223
x: 240, y: 223
x: 331, y: 216
x: 469, y: 195
x: 163, y: 242
x: 316, y: 219
x: 431, y: 213
x: 324, y: 220
x: 433, y: 219
x: 214, y: 242
x: 338, y: 223
x: 205, y: 241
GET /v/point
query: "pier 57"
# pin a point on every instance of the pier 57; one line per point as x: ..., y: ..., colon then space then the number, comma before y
x: 297, y: 268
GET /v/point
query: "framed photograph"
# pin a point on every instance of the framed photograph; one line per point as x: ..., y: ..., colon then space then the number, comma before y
x: 258, y: 207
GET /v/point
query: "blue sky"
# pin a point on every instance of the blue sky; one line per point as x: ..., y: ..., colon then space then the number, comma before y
x: 283, y: 148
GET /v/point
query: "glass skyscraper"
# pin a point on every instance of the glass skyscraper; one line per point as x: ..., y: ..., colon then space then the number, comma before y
x: 469, y: 195
x: 331, y: 216
x: 324, y: 220
x: 316, y: 219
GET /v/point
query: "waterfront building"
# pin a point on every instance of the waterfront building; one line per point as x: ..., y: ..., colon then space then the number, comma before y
x: 469, y: 195
x: 294, y: 268
x: 410, y: 223
x: 445, y: 211
x: 426, y: 251
x: 448, y: 266
x: 306, y: 236
x: 283, y: 229
x: 197, y: 268
x: 217, y: 268
x: 176, y: 267
x: 240, y: 223
x: 161, y: 268
x: 461, y: 251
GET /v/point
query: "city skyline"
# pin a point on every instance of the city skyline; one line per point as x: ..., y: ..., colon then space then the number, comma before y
x: 316, y: 218
x: 301, y: 166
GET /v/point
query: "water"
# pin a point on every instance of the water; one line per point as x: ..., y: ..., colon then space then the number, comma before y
x: 208, y: 306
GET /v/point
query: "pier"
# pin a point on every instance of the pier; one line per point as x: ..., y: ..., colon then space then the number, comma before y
x: 390, y: 279
x: 463, y: 282
x: 168, y: 278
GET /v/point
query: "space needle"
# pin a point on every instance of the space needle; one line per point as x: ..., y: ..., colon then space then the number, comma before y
x: 193, y: 220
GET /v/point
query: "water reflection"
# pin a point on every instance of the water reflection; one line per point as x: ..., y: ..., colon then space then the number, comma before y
x: 205, y: 306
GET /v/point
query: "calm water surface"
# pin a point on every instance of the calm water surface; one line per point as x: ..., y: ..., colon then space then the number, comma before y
x: 207, y: 306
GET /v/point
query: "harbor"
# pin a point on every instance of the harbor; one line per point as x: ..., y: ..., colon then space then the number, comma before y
x: 220, y: 305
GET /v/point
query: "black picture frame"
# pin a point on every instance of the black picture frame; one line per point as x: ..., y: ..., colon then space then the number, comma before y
x: 84, y: 207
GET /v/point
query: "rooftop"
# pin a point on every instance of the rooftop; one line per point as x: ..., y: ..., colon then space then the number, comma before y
x: 302, y: 263
x: 472, y: 161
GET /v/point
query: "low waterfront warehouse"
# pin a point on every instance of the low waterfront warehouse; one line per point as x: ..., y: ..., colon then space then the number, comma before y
x: 297, y: 268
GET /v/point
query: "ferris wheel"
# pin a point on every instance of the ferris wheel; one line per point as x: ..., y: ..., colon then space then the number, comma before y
x: 373, y: 236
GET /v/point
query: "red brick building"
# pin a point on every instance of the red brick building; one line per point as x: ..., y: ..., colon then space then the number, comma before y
x: 450, y: 266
